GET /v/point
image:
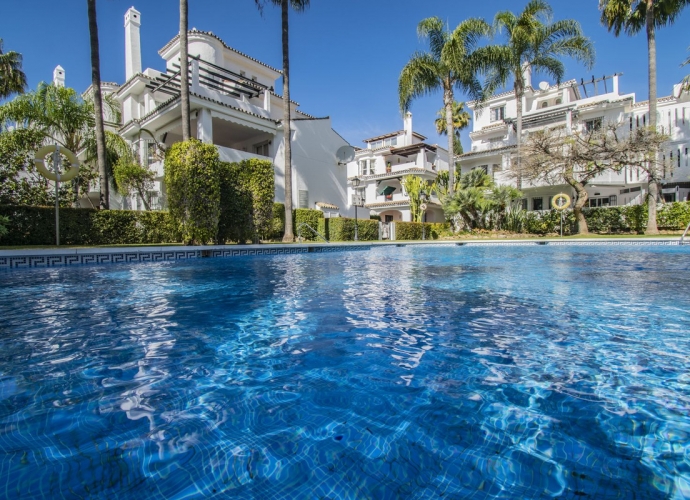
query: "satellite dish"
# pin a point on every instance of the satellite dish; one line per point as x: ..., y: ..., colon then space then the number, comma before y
x: 345, y: 154
x: 544, y: 85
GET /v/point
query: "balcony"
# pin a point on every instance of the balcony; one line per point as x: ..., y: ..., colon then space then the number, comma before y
x: 235, y: 155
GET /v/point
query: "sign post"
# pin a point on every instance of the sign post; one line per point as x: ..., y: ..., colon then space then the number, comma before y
x: 55, y: 175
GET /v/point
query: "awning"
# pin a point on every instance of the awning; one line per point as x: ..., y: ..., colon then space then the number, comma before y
x: 386, y: 190
x: 323, y: 204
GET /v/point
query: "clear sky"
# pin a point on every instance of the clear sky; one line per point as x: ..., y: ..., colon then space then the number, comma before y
x: 345, y: 55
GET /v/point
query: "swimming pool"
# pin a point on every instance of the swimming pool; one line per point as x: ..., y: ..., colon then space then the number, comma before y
x: 416, y: 372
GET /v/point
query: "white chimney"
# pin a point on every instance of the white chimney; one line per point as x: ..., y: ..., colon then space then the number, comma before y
x: 408, y: 128
x: 59, y: 76
x: 615, y: 84
x: 527, y: 74
x: 132, y: 43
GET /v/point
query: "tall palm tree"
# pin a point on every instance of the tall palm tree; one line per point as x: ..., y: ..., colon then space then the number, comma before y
x: 631, y: 16
x: 297, y: 6
x: 184, y: 71
x: 535, y: 44
x: 452, y: 63
x: 461, y: 120
x: 104, y: 199
x: 12, y: 78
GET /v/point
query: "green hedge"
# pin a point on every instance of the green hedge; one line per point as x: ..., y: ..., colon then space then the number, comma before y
x: 299, y: 215
x: 87, y: 226
x: 343, y: 229
x: 246, y: 201
x: 610, y: 220
x: 308, y: 216
x: 413, y: 230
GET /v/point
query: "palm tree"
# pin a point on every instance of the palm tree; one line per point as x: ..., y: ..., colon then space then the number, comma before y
x: 297, y: 6
x: 461, y: 120
x: 98, y: 106
x: 184, y: 71
x: 12, y: 78
x: 631, y: 16
x: 452, y: 63
x: 534, y: 44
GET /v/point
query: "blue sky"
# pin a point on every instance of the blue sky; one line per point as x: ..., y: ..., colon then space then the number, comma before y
x: 345, y: 55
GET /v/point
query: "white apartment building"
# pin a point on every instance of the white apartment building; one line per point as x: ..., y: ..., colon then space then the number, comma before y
x: 233, y: 106
x: 381, y: 166
x: 579, y: 106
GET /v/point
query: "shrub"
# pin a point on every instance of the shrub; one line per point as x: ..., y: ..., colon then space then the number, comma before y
x: 192, y: 177
x: 413, y: 230
x: 673, y: 215
x: 86, y: 226
x: 246, y: 200
x: 310, y: 217
x: 375, y: 217
x: 343, y: 229
x: 277, y: 228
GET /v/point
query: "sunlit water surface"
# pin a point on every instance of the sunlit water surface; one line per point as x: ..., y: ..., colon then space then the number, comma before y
x: 445, y: 372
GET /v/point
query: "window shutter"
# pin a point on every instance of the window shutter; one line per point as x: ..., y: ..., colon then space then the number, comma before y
x: 303, y: 198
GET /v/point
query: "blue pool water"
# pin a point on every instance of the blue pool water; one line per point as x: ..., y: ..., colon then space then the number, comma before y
x: 416, y: 372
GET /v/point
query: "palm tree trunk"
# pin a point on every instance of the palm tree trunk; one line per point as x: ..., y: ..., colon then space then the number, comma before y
x: 652, y: 177
x: 143, y: 199
x: 448, y: 99
x: 184, y: 71
x: 519, y: 91
x: 288, y: 236
x: 98, y: 105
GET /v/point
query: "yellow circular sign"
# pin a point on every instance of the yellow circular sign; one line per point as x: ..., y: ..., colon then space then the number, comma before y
x: 70, y: 173
x: 561, y: 201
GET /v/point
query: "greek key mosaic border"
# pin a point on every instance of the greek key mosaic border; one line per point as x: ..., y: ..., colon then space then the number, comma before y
x: 28, y: 261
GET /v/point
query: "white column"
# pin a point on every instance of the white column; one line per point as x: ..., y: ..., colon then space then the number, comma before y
x: 420, y: 159
x: 615, y: 84
x: 569, y: 121
x: 132, y: 43
x: 267, y: 100
x: 204, y: 126
x: 195, y: 75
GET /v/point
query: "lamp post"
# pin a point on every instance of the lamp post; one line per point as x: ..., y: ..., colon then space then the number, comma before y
x: 356, y: 201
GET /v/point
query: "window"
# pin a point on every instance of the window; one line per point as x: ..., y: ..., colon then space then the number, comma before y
x: 523, y: 203
x: 303, y: 198
x: 559, y: 101
x: 498, y: 113
x: 389, y: 142
x: 544, y: 105
x: 592, y: 125
x: 150, y: 153
x: 485, y: 168
x: 601, y: 202
x: 367, y: 167
x: 261, y: 149
x: 537, y: 203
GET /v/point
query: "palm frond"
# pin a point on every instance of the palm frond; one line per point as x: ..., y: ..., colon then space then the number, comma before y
x: 419, y: 77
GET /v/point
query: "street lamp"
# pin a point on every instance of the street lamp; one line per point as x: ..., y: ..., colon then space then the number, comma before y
x: 356, y: 201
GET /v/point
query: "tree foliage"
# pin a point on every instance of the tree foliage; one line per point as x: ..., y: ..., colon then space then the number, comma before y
x: 12, y: 78
x: 556, y: 155
x: 192, y: 178
x: 415, y: 187
x: 452, y: 63
x: 479, y: 203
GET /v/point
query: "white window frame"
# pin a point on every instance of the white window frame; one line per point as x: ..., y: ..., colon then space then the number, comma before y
x: 499, y: 112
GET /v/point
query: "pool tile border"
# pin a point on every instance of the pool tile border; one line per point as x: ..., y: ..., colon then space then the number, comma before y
x: 58, y: 258
x: 17, y: 259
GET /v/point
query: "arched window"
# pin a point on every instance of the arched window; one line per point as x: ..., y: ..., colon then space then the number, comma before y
x: 559, y: 101
x: 544, y: 104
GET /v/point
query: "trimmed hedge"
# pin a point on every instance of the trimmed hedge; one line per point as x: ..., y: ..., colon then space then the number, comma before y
x: 246, y: 201
x: 87, y: 226
x: 413, y: 230
x: 193, y: 177
x: 610, y: 220
x: 343, y: 229
x: 308, y: 216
